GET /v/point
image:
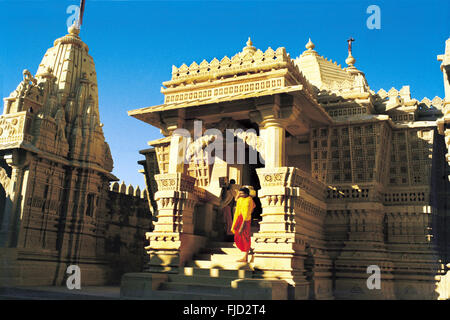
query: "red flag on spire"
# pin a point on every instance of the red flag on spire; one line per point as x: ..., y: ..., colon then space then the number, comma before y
x: 81, y: 12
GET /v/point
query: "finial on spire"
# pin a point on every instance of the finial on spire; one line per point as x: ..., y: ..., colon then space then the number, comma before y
x: 350, y: 60
x: 74, y: 29
x: 249, y: 42
x: 310, y: 45
x: 249, y: 48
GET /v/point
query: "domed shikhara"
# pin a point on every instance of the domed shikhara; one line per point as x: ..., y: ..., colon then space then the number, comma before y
x: 70, y: 63
x: 61, y: 102
x: 56, y: 207
x: 327, y: 75
x: 51, y: 134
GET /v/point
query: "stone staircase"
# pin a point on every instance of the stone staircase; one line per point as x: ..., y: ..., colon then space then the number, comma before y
x: 208, y: 276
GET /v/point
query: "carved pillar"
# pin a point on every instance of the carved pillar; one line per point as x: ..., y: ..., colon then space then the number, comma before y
x: 272, y: 132
x: 10, y: 225
x: 174, y: 229
x: 280, y: 247
x: 292, y: 220
x: 172, y: 241
x: 178, y: 144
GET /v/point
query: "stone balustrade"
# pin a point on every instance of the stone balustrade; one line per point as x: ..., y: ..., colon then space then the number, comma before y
x: 129, y: 190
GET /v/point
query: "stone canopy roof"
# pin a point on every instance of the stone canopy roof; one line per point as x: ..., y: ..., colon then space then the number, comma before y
x: 325, y: 74
x: 253, y: 73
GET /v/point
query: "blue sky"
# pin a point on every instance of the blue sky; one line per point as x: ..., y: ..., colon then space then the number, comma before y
x: 135, y: 43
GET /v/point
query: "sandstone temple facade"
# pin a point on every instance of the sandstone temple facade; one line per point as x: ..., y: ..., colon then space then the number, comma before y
x: 347, y: 178
x: 57, y: 207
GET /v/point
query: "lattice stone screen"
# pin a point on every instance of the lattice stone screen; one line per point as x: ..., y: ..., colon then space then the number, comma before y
x: 200, y: 169
x: 162, y: 154
x: 411, y: 153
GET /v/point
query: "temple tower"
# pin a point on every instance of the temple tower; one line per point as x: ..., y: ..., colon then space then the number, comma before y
x: 55, y: 171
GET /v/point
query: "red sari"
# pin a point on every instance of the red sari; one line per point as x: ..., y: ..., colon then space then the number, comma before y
x: 242, y: 240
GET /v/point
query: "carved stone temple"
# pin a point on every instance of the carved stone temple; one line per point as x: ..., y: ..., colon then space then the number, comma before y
x: 57, y: 207
x: 347, y: 178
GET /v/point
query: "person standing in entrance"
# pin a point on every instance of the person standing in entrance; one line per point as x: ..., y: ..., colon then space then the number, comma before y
x: 229, y: 194
x: 242, y: 222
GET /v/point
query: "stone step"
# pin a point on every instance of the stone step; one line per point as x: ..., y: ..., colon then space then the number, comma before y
x: 197, y: 288
x: 202, y: 256
x: 216, y: 272
x: 201, y: 280
x: 186, y: 295
x: 223, y: 250
x: 220, y: 281
x: 227, y: 258
x: 219, y: 244
x: 221, y: 258
x: 226, y: 265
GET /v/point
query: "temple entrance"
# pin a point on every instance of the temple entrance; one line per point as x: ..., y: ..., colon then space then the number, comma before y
x: 241, y: 172
x: 250, y: 178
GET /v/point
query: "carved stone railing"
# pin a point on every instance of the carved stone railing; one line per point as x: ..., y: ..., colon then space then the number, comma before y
x: 407, y: 197
x: 291, y: 177
x: 353, y: 193
x: 238, y: 63
x: 15, y: 129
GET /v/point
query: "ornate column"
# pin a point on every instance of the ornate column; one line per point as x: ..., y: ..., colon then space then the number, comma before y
x: 290, y: 206
x: 172, y: 241
x: 15, y: 188
x: 273, y: 135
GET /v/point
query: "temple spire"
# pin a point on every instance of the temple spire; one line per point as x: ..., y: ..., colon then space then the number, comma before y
x: 249, y: 48
x: 249, y: 42
x: 310, y: 45
x: 309, y: 48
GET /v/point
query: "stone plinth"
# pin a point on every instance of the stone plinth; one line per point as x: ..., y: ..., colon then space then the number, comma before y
x: 172, y: 242
x: 290, y: 219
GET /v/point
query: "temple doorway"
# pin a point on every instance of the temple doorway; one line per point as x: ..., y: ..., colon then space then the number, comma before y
x: 243, y: 173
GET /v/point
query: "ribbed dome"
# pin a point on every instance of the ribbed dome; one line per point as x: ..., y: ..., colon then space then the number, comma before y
x: 319, y: 70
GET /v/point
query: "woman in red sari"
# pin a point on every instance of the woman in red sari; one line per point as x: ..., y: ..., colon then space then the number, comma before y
x: 242, y: 222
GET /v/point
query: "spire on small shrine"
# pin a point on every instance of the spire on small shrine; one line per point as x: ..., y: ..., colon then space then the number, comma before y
x: 249, y: 42
x: 249, y: 48
x: 74, y: 29
x: 309, y: 48
x: 310, y: 45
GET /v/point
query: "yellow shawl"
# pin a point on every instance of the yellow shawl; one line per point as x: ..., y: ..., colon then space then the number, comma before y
x: 244, y: 208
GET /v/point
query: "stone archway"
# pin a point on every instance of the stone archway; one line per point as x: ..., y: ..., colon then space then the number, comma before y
x: 240, y: 163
